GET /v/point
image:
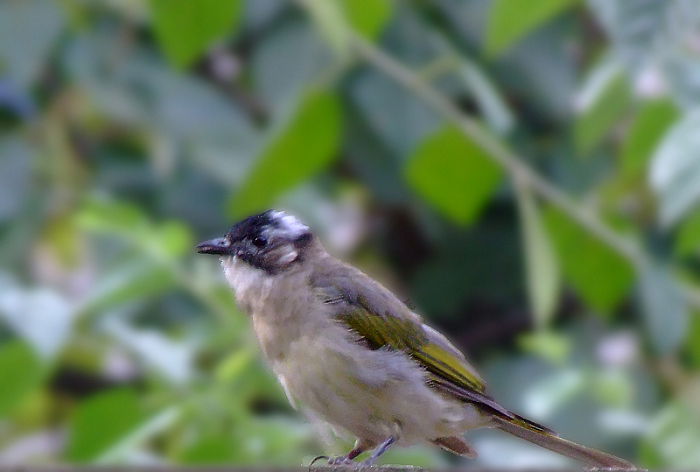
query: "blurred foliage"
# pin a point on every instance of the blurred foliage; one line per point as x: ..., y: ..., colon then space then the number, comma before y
x: 130, y: 130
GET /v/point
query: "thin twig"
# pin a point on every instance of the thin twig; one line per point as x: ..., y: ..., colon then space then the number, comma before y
x: 510, y: 161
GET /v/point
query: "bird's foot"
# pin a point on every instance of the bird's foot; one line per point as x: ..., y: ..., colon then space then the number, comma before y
x: 340, y: 460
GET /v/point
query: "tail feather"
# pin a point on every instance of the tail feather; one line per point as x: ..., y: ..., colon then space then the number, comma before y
x: 456, y: 445
x: 554, y: 443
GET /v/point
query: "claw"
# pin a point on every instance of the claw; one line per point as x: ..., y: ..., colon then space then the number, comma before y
x: 319, y: 457
x: 340, y: 460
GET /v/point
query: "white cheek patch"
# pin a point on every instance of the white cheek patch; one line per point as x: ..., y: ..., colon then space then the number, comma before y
x: 288, y: 258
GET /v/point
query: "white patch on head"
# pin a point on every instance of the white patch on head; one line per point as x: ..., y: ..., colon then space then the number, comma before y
x: 289, y: 225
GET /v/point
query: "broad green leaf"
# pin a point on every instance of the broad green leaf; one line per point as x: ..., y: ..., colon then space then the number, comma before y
x: 453, y: 174
x: 232, y: 367
x: 185, y: 29
x: 210, y: 449
x: 329, y: 19
x: 305, y: 145
x: 172, y: 238
x: 20, y: 374
x: 100, y: 422
x: 674, y: 173
x: 688, y: 236
x: 368, y: 18
x: 585, y: 262
x: 645, y: 132
x: 542, y: 267
x: 144, y: 431
x: 603, y: 98
x: 549, y: 345
x: 665, y: 311
x: 111, y: 217
x: 510, y: 20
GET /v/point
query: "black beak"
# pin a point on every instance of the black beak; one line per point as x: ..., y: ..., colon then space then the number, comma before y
x: 217, y: 246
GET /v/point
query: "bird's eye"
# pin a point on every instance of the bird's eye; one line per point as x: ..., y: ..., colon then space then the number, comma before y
x: 260, y: 242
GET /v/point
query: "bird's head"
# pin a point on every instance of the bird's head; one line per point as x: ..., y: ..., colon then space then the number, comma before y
x: 272, y: 241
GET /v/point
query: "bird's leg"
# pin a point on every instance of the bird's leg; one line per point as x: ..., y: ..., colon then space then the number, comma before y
x: 381, y: 449
x: 360, y: 447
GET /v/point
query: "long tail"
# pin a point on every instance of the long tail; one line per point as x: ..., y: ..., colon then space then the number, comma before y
x: 554, y: 443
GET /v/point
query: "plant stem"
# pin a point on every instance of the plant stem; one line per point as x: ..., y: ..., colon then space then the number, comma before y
x: 510, y: 161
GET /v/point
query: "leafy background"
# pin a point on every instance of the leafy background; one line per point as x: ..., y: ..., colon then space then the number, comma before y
x: 525, y: 173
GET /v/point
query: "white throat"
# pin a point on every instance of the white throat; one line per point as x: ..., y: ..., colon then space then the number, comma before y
x: 249, y: 283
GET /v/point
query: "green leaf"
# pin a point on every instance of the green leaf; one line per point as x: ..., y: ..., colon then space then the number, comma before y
x: 20, y: 374
x: 106, y: 216
x: 510, y: 20
x: 586, y: 261
x: 604, y: 97
x: 645, y: 132
x: 674, y: 173
x: 692, y: 341
x: 172, y: 238
x: 132, y: 281
x: 453, y: 174
x: 549, y: 345
x: 144, y: 431
x: 491, y: 103
x: 542, y: 267
x: 209, y: 449
x: 306, y: 144
x: 100, y: 422
x: 185, y: 29
x: 665, y: 311
x: 613, y: 388
x: 368, y: 18
x: 688, y: 236
x: 234, y: 365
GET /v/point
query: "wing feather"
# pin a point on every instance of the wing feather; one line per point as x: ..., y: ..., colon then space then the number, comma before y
x: 383, y: 321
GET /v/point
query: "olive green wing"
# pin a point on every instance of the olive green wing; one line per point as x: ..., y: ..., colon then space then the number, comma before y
x: 383, y: 321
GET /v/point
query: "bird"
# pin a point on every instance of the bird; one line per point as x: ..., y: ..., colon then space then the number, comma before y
x: 347, y: 351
